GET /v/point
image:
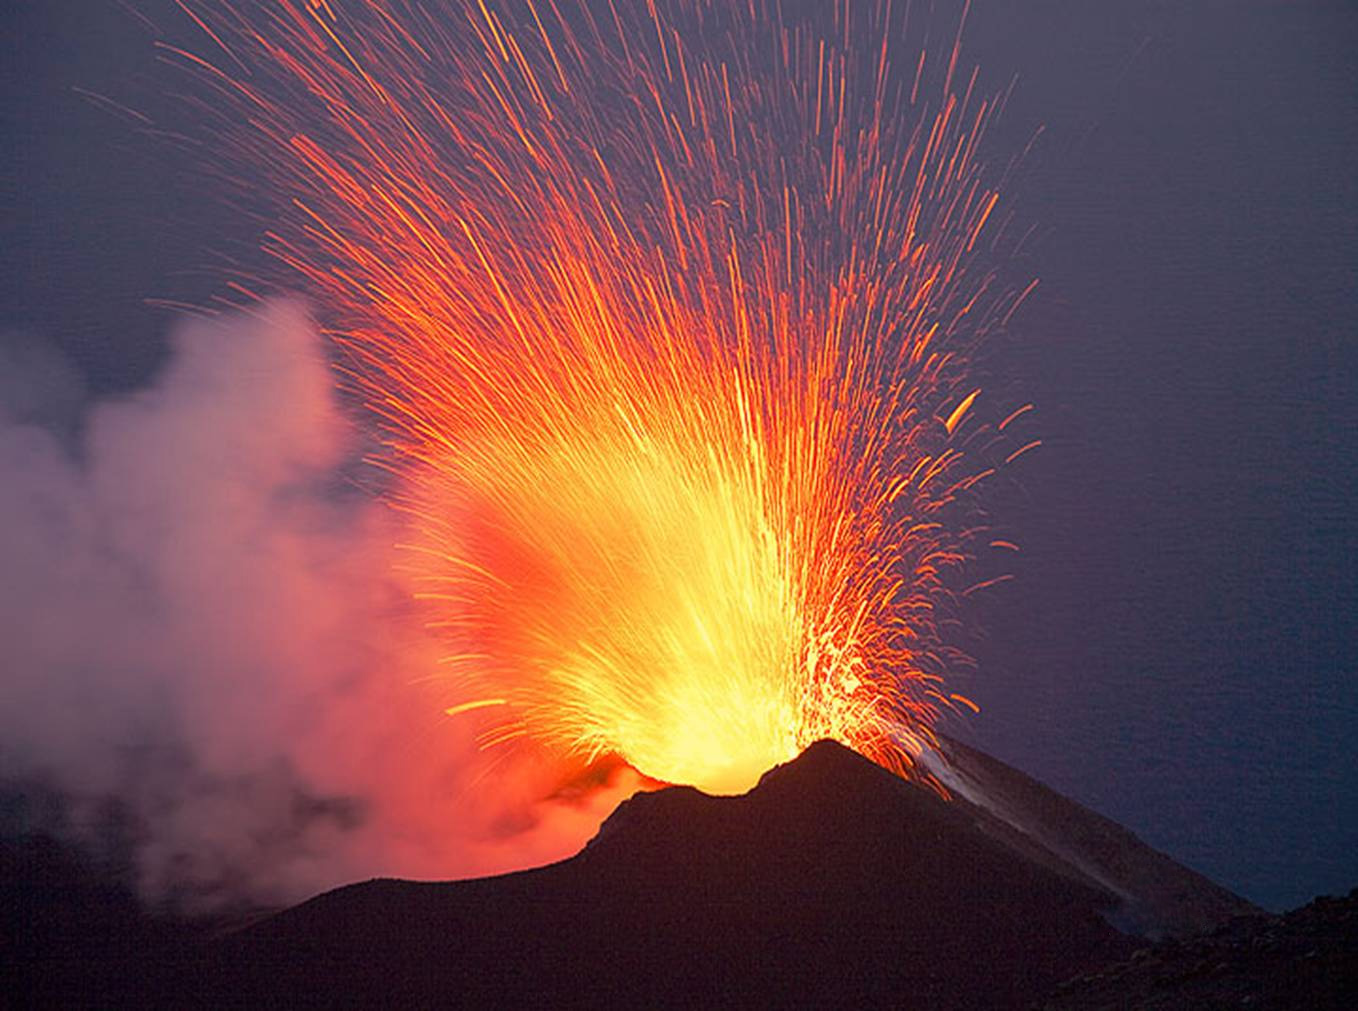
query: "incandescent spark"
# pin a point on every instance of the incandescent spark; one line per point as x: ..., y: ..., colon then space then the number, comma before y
x: 667, y: 317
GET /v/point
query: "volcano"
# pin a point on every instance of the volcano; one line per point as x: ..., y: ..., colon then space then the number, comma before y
x: 832, y: 882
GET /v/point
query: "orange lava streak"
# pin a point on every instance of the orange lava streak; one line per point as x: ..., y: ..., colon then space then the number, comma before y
x: 666, y: 316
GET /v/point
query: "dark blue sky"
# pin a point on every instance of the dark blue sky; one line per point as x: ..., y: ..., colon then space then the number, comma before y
x: 1179, y: 648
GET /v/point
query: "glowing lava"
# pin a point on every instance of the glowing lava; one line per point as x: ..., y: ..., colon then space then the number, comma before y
x: 666, y: 316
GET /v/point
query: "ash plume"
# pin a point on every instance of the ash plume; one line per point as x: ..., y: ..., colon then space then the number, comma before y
x: 205, y: 666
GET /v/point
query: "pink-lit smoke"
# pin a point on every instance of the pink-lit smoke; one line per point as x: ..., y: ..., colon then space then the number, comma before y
x: 203, y: 642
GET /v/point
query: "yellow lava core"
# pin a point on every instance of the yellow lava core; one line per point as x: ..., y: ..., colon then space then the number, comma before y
x: 666, y: 315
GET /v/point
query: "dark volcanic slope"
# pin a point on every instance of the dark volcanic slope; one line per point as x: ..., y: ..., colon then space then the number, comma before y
x: 1157, y: 897
x: 833, y: 882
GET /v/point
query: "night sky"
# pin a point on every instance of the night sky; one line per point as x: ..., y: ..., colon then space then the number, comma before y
x: 1178, y: 648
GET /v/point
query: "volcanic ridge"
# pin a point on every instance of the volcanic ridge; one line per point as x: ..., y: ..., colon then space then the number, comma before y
x: 832, y: 882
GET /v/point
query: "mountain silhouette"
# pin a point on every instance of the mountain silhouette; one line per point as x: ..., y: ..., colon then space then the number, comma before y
x: 832, y: 882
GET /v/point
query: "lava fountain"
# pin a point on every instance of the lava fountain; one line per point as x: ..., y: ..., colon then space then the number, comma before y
x: 666, y: 316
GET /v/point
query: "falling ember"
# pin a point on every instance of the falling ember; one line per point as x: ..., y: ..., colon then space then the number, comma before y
x: 666, y: 315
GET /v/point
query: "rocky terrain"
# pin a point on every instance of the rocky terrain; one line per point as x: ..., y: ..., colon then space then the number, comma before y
x: 832, y: 883
x: 1307, y: 958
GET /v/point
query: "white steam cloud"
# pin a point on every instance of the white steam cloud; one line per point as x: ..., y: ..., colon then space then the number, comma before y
x: 205, y: 654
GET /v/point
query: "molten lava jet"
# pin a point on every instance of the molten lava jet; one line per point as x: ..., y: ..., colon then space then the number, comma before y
x: 666, y: 315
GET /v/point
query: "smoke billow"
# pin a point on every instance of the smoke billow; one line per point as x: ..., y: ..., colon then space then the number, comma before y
x: 207, y: 658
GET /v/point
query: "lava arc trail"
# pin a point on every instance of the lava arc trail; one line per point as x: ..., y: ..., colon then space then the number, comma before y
x: 666, y: 314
